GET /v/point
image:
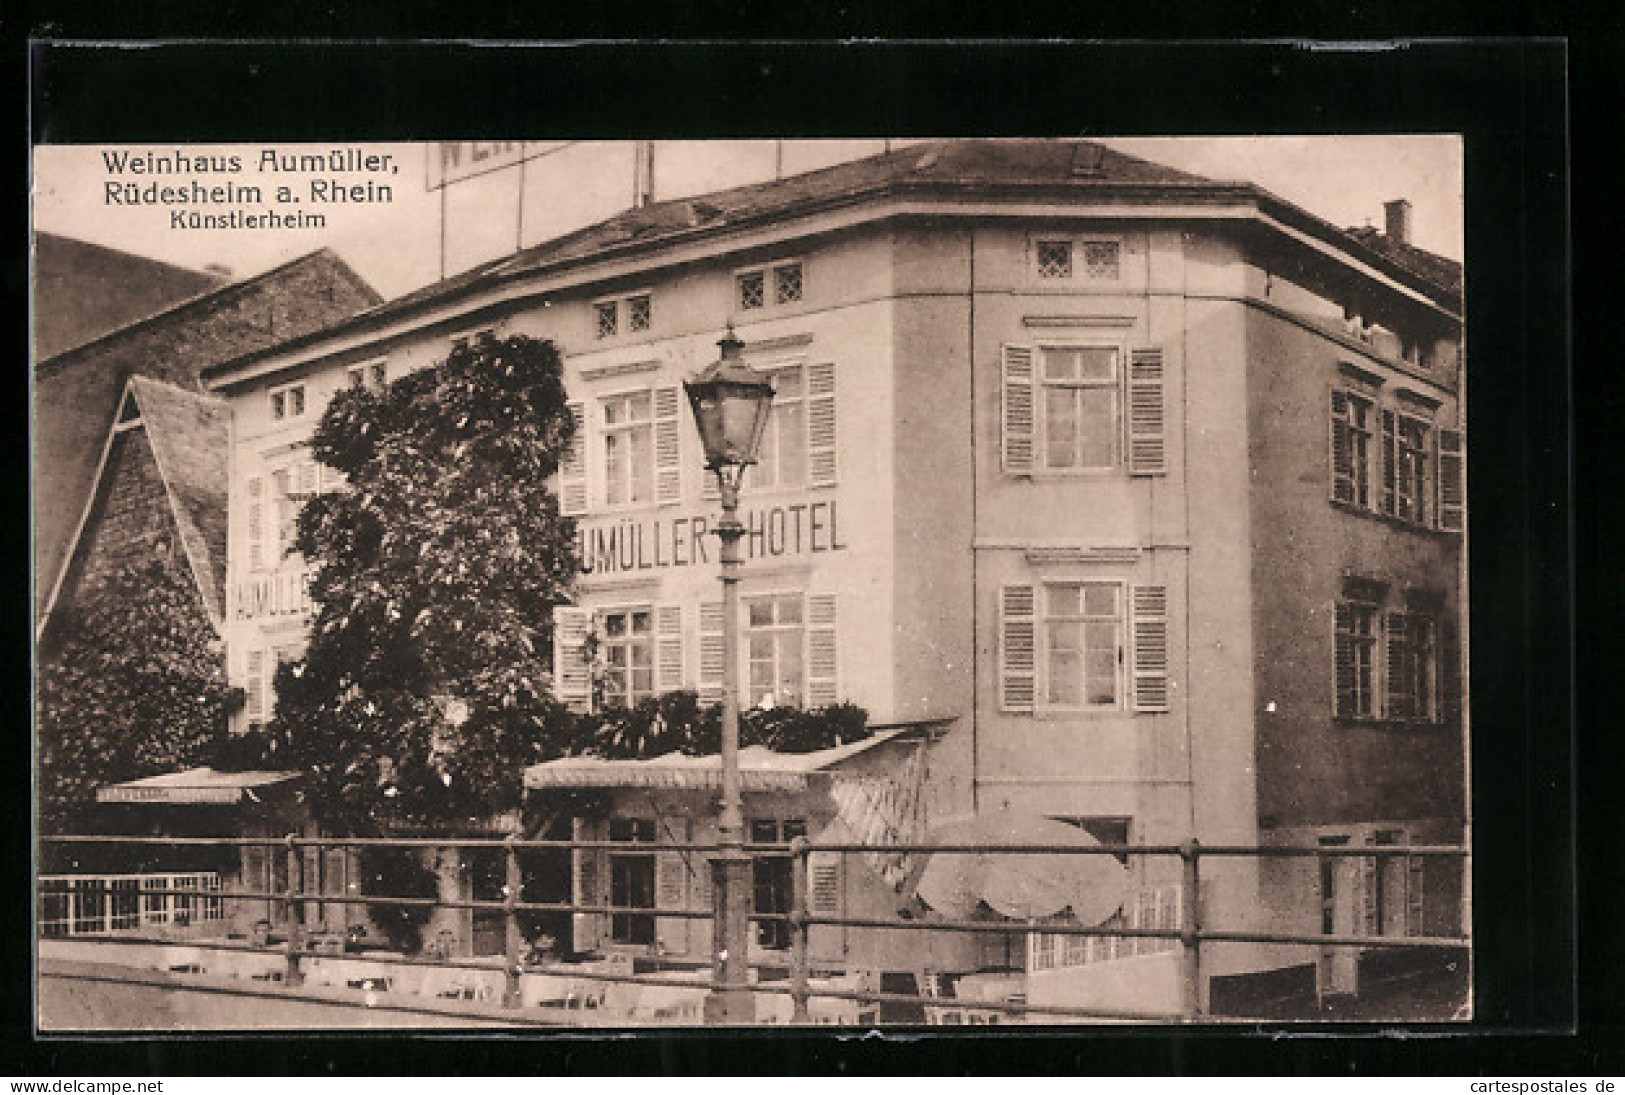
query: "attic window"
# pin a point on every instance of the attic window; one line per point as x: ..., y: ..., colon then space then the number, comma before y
x: 288, y: 403
x: 785, y: 282
x: 1100, y: 259
x: 1054, y: 258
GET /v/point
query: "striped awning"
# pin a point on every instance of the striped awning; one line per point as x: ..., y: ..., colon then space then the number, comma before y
x: 195, y: 786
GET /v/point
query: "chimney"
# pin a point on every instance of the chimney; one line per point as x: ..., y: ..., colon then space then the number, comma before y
x: 1398, y: 214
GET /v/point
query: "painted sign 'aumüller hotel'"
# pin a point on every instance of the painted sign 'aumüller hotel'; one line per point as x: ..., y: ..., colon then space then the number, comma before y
x: 1148, y: 487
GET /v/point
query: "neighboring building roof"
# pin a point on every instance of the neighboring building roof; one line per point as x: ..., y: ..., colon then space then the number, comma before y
x: 189, y: 435
x: 195, y: 786
x: 84, y: 290
x: 77, y: 393
x: 1037, y: 169
x: 1435, y: 268
x: 760, y: 769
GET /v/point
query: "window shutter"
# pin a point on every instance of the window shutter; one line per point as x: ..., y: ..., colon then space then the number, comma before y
x: 668, y: 450
x: 1449, y: 671
x: 1344, y: 658
x: 1451, y: 494
x: 824, y: 884
x: 1018, y: 634
x: 712, y: 653
x: 1399, y: 705
x: 1369, y: 913
x: 822, y: 686
x: 588, y: 887
x: 572, y: 675
x: 671, y: 883
x: 669, y: 648
x: 1342, y: 481
x: 573, y: 466
x: 308, y: 478
x: 256, y: 523
x: 1147, y: 449
x: 1390, y: 464
x: 1150, y: 648
x: 254, y: 684
x: 1018, y: 422
x: 1415, y: 891
x: 821, y: 425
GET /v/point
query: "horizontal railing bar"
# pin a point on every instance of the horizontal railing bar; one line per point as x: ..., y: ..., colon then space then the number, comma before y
x: 968, y: 1004
x: 1391, y: 942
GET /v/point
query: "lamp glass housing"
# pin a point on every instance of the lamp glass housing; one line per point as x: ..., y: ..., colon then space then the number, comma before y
x: 731, y: 402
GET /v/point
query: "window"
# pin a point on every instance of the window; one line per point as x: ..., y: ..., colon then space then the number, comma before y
x: 775, y: 639
x: 1055, y: 258
x: 374, y: 375
x: 782, y: 458
x: 632, y: 882
x: 1082, y: 644
x: 1407, y: 442
x: 288, y: 403
x: 1356, y: 660
x: 628, y: 448
x: 1351, y: 449
x: 627, y: 647
x: 770, y: 880
x: 1388, y: 661
x: 1101, y: 260
x: 785, y: 282
x: 606, y: 317
x: 639, y: 312
x: 1080, y: 387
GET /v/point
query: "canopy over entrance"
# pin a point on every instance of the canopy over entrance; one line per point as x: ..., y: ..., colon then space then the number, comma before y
x: 194, y: 786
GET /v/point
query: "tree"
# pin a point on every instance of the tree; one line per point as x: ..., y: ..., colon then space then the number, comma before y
x: 130, y: 685
x: 425, y: 687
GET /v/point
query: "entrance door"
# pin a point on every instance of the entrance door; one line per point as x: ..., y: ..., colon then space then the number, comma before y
x: 1340, y: 907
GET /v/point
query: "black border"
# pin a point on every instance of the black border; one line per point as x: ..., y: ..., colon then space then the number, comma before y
x: 1509, y: 98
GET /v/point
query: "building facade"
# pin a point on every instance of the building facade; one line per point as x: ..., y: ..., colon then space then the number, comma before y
x: 1148, y: 486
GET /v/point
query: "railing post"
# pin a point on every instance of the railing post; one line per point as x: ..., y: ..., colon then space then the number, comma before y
x: 1190, y: 938
x: 799, y: 930
x: 514, y: 942
x: 296, y: 912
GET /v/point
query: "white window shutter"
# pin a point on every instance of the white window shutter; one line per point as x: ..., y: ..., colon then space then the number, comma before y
x: 668, y: 449
x: 824, y: 884
x: 1399, y: 703
x: 712, y: 653
x: 1390, y: 464
x: 1150, y: 647
x: 1147, y: 445
x: 572, y: 673
x: 1369, y: 913
x: 672, y: 883
x: 256, y: 523
x: 254, y: 684
x: 1452, y: 496
x: 822, y: 658
x: 1018, y: 641
x: 821, y: 425
x: 588, y: 887
x: 573, y: 466
x: 668, y: 648
x: 1018, y: 424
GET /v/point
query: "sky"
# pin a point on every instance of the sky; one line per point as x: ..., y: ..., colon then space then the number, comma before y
x: 410, y: 239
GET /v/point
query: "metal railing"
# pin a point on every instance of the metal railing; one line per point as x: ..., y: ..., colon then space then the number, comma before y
x: 800, y: 976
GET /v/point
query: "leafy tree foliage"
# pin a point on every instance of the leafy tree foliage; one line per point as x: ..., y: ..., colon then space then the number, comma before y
x: 130, y: 685
x: 424, y: 689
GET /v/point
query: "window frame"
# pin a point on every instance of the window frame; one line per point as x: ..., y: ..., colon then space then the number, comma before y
x: 599, y: 441
x: 1077, y: 265
x: 1359, y: 470
x: 752, y: 482
x: 771, y: 878
x: 770, y: 275
x: 629, y: 928
x: 373, y: 375
x: 629, y: 642
x: 777, y: 628
x: 280, y: 400
x: 1044, y: 660
x: 1117, y: 386
x: 1372, y: 642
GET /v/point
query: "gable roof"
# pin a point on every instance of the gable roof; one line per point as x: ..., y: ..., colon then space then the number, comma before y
x: 189, y: 435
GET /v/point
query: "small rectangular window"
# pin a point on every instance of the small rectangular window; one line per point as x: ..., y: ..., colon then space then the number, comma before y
x: 1101, y: 260
x: 787, y: 283
x: 1054, y: 259
x: 606, y: 317
x: 1356, y: 660
x: 288, y: 403
x: 638, y: 312
x: 751, y: 290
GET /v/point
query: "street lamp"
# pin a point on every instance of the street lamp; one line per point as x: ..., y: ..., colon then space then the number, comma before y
x: 730, y: 401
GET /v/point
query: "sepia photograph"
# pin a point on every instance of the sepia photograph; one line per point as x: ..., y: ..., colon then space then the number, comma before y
x: 871, y: 583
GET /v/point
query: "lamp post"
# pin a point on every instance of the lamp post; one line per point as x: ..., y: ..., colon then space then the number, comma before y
x: 730, y: 402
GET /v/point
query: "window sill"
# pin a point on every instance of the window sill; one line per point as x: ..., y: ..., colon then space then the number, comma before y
x: 1060, y: 714
x: 1354, y: 510
x: 1352, y: 722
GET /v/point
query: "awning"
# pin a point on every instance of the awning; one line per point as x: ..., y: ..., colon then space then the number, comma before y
x: 760, y: 769
x: 194, y: 786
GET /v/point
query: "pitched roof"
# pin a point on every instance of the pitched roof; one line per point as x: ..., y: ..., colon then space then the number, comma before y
x: 1437, y: 269
x: 190, y: 436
